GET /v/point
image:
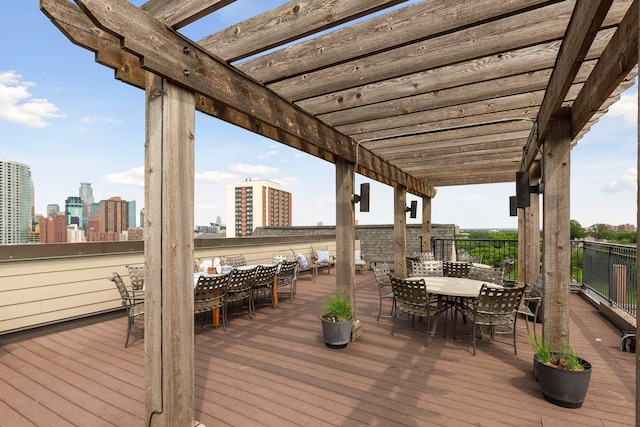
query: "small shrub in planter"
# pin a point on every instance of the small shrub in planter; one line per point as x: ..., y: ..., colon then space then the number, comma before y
x: 337, y: 320
x: 563, y: 376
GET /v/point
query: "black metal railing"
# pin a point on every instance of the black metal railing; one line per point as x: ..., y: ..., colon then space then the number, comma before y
x: 609, y: 270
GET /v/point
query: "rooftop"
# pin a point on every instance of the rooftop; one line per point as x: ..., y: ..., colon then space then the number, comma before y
x: 276, y: 370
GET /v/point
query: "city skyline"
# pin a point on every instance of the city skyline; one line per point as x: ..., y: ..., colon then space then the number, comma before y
x: 71, y: 121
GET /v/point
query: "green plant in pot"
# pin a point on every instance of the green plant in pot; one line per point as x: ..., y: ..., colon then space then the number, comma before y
x: 337, y: 321
x: 563, y: 376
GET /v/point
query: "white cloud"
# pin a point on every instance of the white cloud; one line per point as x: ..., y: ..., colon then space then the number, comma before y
x: 267, y: 154
x: 17, y: 104
x: 215, y: 176
x: 287, y: 181
x: 133, y: 177
x: 246, y: 169
x: 627, y: 182
x: 626, y: 108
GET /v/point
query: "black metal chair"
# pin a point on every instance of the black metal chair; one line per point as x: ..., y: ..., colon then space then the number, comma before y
x: 383, y: 280
x: 263, y: 282
x: 413, y: 299
x: 209, y: 294
x: 239, y: 287
x: 133, y: 305
x: 287, y: 278
x: 496, y: 309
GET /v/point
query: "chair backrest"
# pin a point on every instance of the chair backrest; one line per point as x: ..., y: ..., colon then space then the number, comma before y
x: 234, y: 260
x: 382, y: 272
x: 498, y: 301
x: 264, y: 275
x: 410, y: 291
x: 122, y: 288
x: 507, y: 264
x: 241, y: 279
x: 136, y: 276
x: 455, y: 269
x: 209, y: 290
x: 427, y: 269
x: 424, y: 256
x: 287, y: 269
x: 489, y: 275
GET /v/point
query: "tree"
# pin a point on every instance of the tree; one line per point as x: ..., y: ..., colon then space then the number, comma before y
x: 576, y: 230
x: 600, y: 232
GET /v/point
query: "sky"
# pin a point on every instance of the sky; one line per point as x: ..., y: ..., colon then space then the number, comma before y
x: 71, y: 121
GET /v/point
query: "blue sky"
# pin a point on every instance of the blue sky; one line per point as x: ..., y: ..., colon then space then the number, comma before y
x: 66, y: 117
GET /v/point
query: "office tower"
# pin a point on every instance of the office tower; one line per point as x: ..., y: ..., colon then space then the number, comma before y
x: 132, y: 214
x: 53, y: 209
x: 86, y: 194
x: 16, y: 199
x: 74, y: 209
x: 254, y: 204
x: 114, y: 215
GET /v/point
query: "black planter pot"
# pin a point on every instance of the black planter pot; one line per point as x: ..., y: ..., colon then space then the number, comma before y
x: 561, y: 387
x: 336, y: 334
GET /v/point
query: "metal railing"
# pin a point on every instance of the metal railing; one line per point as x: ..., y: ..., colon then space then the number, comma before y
x: 609, y: 270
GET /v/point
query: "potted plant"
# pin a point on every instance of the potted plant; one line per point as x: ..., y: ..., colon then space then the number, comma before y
x: 563, y: 376
x: 337, y: 320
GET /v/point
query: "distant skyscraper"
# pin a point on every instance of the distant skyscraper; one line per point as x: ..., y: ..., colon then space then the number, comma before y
x: 253, y: 204
x: 16, y: 200
x: 74, y: 209
x: 53, y: 209
x: 132, y: 214
x: 86, y: 194
x: 114, y: 215
x: 53, y: 229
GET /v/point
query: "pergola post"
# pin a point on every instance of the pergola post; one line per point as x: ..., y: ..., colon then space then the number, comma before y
x: 169, y: 184
x: 556, y: 168
x: 529, y: 237
x: 345, y: 230
x: 400, y: 230
x: 426, y: 224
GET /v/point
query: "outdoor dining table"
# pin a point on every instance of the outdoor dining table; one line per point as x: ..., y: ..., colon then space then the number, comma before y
x: 456, y: 288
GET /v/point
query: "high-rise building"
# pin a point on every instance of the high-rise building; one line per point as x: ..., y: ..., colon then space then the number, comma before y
x: 86, y: 194
x: 16, y: 202
x: 74, y: 209
x: 132, y: 214
x: 53, y: 210
x: 114, y: 215
x: 258, y: 203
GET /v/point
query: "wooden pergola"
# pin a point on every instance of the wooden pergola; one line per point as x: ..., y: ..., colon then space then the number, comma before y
x: 416, y: 96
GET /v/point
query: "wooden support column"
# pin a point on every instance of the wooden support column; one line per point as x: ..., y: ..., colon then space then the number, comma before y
x: 169, y: 184
x: 400, y: 231
x: 529, y: 236
x: 638, y: 239
x: 426, y: 224
x: 345, y: 230
x: 556, y: 168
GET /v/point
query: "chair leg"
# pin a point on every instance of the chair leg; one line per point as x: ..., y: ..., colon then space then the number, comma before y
x: 129, y: 322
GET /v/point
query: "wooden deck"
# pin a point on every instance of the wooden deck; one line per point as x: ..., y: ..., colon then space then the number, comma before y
x: 275, y: 370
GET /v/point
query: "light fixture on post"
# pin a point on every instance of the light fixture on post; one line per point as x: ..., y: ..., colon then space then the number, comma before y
x: 363, y: 198
x: 413, y: 209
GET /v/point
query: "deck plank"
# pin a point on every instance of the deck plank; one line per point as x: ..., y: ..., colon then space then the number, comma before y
x: 274, y: 370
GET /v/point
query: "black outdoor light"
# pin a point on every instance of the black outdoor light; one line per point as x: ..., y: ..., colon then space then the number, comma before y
x: 363, y: 198
x: 413, y: 209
